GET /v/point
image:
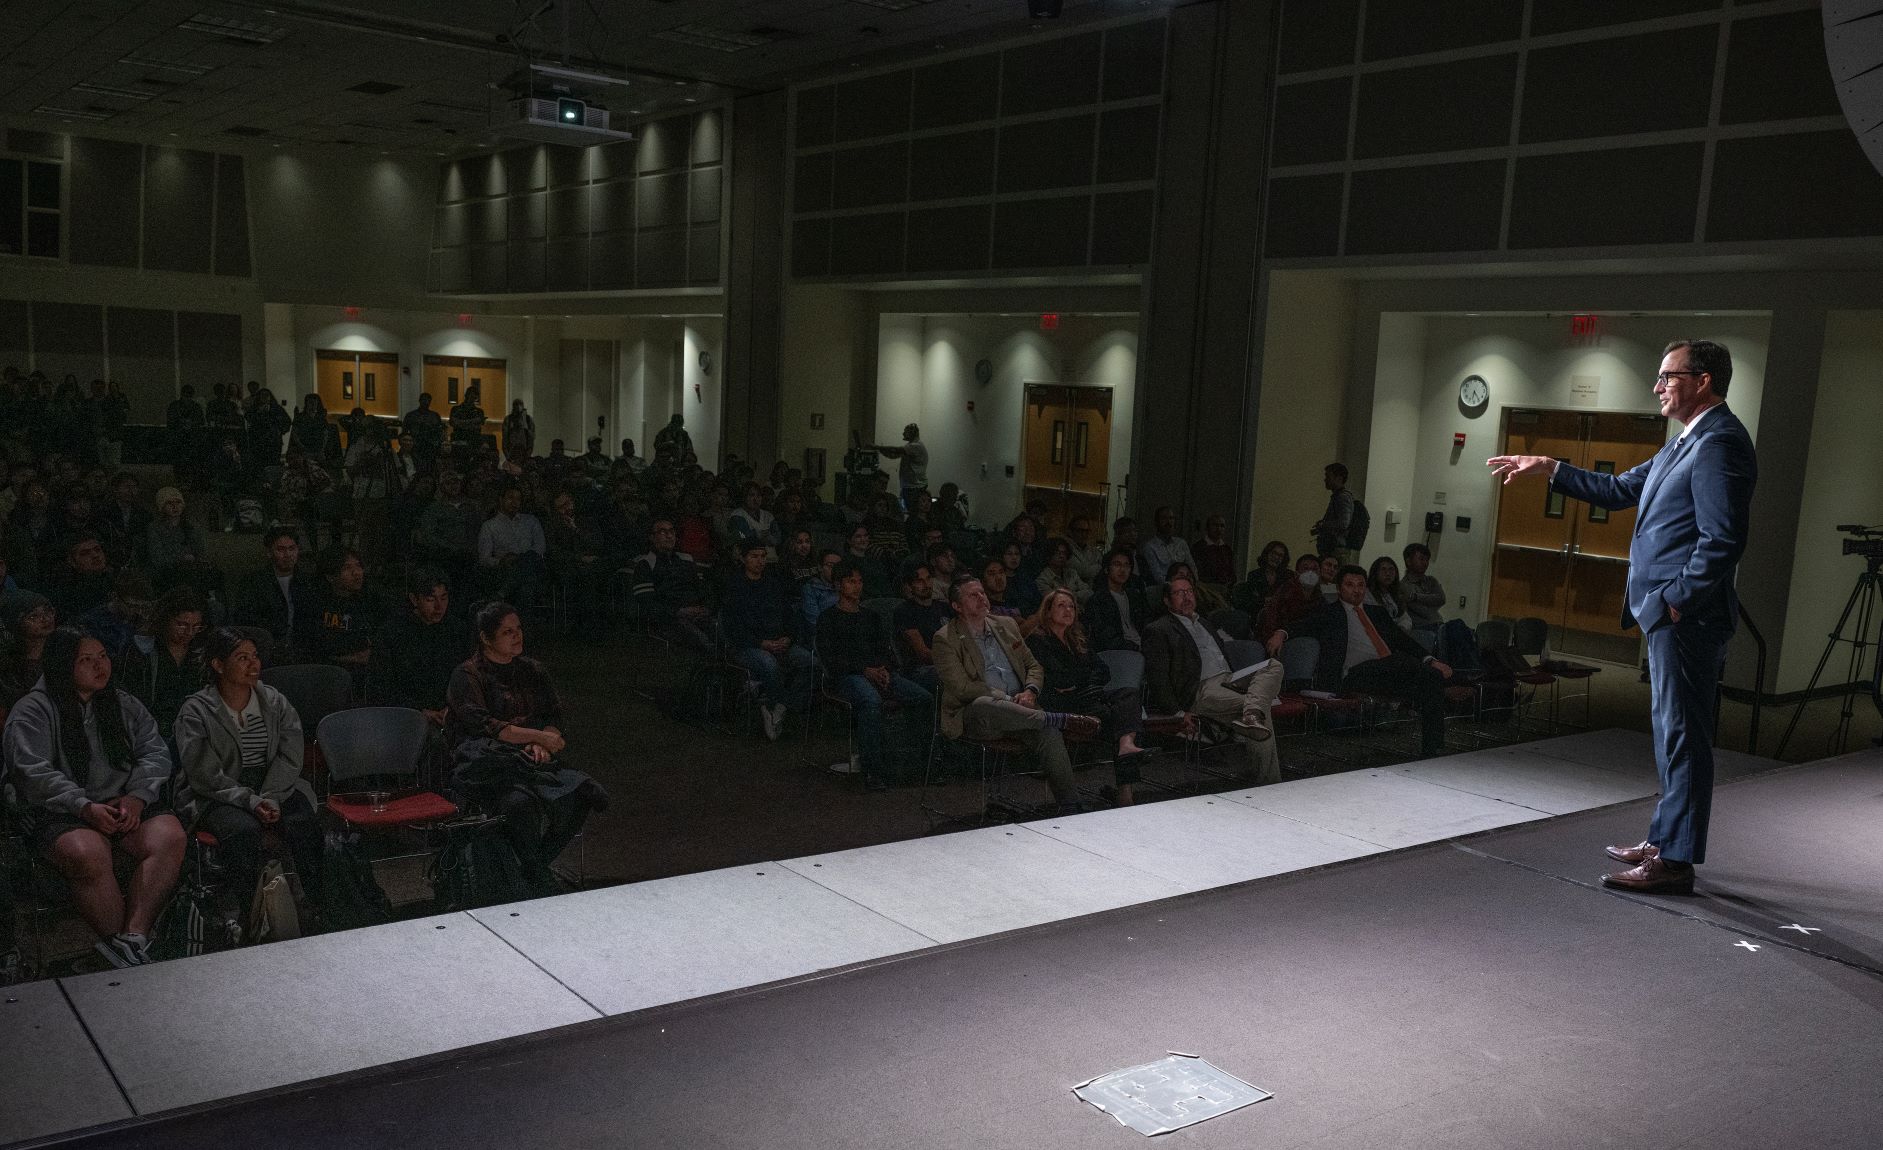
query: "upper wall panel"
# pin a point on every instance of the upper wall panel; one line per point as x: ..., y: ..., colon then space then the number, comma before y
x: 1404, y: 127
x: 1036, y: 157
x: 611, y: 217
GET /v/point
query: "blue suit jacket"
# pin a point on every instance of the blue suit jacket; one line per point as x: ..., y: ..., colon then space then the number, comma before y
x: 1694, y: 502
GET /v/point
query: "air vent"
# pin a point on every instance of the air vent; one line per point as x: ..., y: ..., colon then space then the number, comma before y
x: 722, y: 39
x: 375, y: 88
x: 183, y: 67
x: 91, y: 89
x: 241, y: 31
x: 94, y: 112
x: 245, y: 130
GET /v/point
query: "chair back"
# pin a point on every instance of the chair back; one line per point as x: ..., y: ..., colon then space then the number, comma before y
x: 1493, y: 635
x: 315, y: 690
x: 1299, y: 657
x: 1530, y: 635
x: 1126, y: 667
x: 1233, y: 620
x: 372, y: 741
x: 263, y: 640
x: 1243, y: 653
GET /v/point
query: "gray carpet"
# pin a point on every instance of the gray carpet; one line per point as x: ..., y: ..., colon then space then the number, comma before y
x: 1461, y: 995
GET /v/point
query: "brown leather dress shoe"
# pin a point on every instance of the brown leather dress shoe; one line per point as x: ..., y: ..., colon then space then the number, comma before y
x: 1634, y: 855
x: 1081, y: 728
x: 1654, y: 876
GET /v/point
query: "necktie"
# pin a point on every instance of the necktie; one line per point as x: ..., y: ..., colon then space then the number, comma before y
x: 1379, y: 644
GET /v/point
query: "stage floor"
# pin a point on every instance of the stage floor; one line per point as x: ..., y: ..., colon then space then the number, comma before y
x: 1483, y: 992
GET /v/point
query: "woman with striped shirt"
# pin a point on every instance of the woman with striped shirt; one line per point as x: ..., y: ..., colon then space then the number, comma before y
x: 240, y: 745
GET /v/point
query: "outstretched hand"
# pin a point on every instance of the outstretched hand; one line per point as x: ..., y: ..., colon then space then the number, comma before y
x: 1509, y: 467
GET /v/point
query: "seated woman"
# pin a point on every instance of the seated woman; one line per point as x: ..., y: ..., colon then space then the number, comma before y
x: 161, y: 667
x: 1077, y: 683
x: 90, y: 770
x: 173, y: 548
x: 1059, y: 571
x: 239, y: 743
x: 1384, y: 591
x: 504, y: 725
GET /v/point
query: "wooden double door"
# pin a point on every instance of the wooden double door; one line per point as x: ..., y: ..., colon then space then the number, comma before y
x: 364, y: 379
x: 448, y: 377
x: 1068, y: 451
x: 1558, y: 558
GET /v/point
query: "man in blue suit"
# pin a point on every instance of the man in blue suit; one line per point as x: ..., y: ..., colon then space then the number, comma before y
x: 1695, y: 497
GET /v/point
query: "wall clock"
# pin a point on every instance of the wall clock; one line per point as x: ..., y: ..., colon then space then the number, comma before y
x: 1474, y: 395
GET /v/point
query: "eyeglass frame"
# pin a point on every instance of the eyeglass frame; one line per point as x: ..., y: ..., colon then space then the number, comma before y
x: 1664, y: 376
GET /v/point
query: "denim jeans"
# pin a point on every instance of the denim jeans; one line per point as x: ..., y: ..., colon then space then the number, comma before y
x: 786, y: 680
x: 866, y: 708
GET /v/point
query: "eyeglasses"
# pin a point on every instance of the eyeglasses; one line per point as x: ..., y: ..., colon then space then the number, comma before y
x: 1668, y: 375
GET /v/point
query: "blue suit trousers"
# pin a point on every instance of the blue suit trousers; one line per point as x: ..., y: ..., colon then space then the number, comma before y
x: 1684, y: 664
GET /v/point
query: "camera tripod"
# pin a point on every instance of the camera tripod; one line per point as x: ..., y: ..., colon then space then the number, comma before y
x: 1862, y: 604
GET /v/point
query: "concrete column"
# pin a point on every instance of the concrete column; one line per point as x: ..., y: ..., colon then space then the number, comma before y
x: 755, y: 280
x: 1198, y: 374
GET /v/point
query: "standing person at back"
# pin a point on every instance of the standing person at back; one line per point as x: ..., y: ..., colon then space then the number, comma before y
x: 912, y: 472
x: 1331, y: 529
x: 1695, y: 500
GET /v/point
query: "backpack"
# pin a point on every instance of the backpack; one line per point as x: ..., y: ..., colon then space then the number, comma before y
x: 1357, y: 525
x: 478, y: 867
x: 351, y: 892
x: 273, y: 915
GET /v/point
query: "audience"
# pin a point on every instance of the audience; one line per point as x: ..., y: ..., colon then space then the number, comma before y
x: 859, y: 657
x: 1451, y: 640
x: 1363, y: 651
x: 1058, y: 573
x: 510, y: 551
x: 920, y: 614
x: 163, y: 667
x: 239, y: 745
x: 1383, y: 591
x: 1117, y: 612
x: 28, y: 619
x: 1188, y: 673
x: 89, y: 770
x: 1164, y: 548
x: 423, y: 645
x: 1087, y: 556
x: 1264, y: 579
x: 277, y: 598
x: 756, y: 622
x: 345, y: 615
x: 991, y: 686
x: 1077, y: 681
x: 504, y: 725
x: 1215, y: 561
x: 670, y: 591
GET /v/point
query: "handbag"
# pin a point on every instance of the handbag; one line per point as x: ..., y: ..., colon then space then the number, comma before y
x: 272, y: 914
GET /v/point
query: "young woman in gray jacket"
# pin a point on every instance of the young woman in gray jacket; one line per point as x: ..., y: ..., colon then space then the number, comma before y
x: 239, y: 744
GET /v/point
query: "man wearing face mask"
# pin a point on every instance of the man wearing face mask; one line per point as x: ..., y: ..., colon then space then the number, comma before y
x: 1292, y: 599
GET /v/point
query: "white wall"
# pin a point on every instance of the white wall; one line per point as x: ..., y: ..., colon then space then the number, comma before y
x: 1843, y: 484
x: 1306, y: 350
x: 824, y: 338
x: 1529, y: 362
x: 925, y: 375
x: 702, y: 393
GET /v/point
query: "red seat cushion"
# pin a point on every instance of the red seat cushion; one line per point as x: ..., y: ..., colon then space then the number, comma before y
x: 423, y: 807
x: 1344, y: 703
x: 204, y: 838
x: 1289, y: 707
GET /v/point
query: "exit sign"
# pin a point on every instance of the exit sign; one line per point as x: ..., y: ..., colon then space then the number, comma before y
x: 1585, y: 326
x: 1049, y: 321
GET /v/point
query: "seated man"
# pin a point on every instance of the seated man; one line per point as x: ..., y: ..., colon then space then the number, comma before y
x: 1364, y: 651
x: 510, y: 551
x: 1451, y: 640
x: 855, y: 648
x: 670, y: 591
x: 818, y: 594
x: 943, y: 566
x: 1164, y: 548
x: 1187, y: 672
x: 1116, y: 614
x: 85, y: 581
x: 758, y: 630
x: 917, y: 618
x: 91, y: 794
x: 447, y: 530
x: 994, y: 580
x: 345, y: 616
x: 412, y: 667
x: 991, y: 686
x: 278, y: 598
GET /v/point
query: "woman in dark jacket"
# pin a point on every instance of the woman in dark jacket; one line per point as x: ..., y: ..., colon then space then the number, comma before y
x: 163, y: 668
x: 1270, y: 573
x: 1116, y: 612
x: 504, y: 725
x: 1078, y: 682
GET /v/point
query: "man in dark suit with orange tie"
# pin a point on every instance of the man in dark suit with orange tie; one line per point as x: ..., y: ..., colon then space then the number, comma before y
x: 1694, y: 500
x: 1364, y: 651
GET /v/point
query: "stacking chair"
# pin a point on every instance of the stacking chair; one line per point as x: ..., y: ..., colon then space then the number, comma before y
x: 387, y: 745
x: 314, y: 690
x: 1530, y: 638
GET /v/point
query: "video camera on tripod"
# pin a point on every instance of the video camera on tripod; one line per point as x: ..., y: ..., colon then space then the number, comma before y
x: 1866, y: 541
x: 859, y: 464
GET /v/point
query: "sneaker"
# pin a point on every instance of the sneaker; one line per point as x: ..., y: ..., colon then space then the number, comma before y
x: 1252, y: 726
x: 10, y: 968
x: 123, y: 950
x: 773, y: 717
x: 843, y: 767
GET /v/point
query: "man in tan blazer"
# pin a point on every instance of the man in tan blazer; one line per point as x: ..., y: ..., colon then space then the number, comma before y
x: 990, y: 689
